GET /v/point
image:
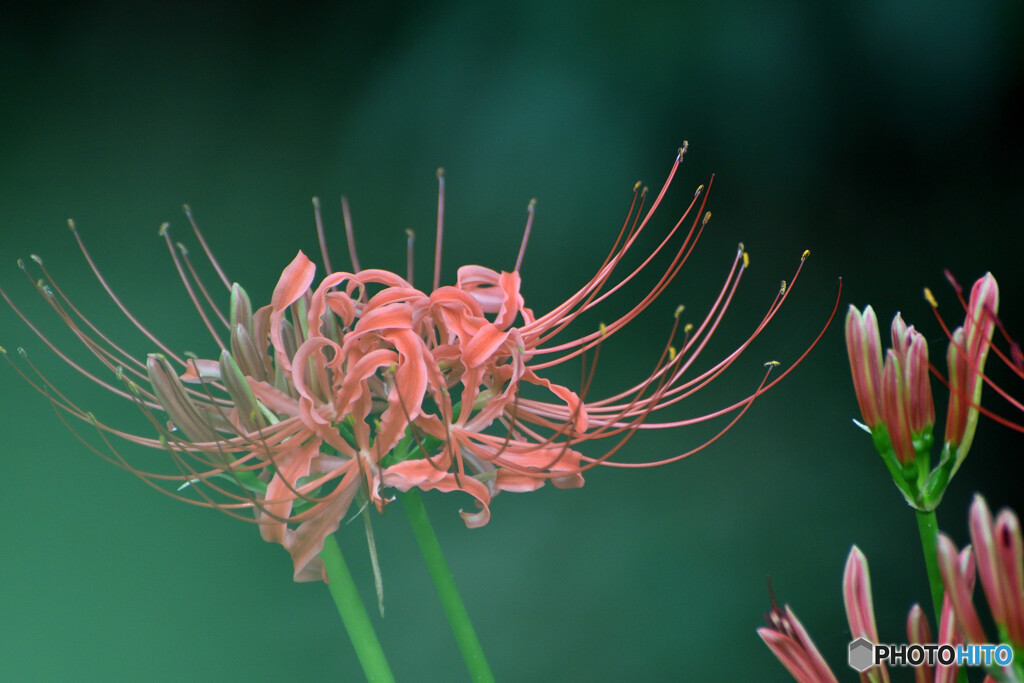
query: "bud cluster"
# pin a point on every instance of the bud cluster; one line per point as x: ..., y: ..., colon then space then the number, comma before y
x: 895, y: 396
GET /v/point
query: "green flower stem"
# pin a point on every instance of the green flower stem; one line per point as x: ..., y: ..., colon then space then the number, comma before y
x: 928, y: 527
x: 353, y: 614
x: 465, y: 636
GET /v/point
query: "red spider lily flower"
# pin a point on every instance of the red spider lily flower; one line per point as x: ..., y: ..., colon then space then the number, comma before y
x: 790, y: 643
x: 968, y: 351
x: 359, y: 381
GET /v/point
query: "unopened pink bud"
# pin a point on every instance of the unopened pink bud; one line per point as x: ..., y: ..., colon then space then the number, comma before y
x: 864, y: 346
x: 895, y: 408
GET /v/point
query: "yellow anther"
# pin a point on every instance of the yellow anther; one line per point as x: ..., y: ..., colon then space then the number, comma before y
x: 643, y: 192
x: 687, y: 328
x: 772, y: 364
x: 929, y: 298
x: 700, y: 188
x: 746, y: 260
x: 601, y: 329
x: 36, y: 258
x: 807, y: 252
x: 671, y: 353
x: 637, y: 184
x: 782, y: 287
x: 182, y: 249
x: 679, y: 309
x: 3, y: 351
x: 707, y: 217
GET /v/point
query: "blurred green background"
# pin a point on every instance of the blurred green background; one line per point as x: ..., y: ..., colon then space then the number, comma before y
x: 883, y: 136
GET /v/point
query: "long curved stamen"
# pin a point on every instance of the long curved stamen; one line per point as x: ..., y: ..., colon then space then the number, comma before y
x: 110, y: 292
x: 60, y: 354
x: 410, y: 238
x: 680, y: 258
x: 440, y: 228
x: 206, y: 248
x: 531, y: 209
x: 321, y: 236
x: 202, y: 287
x: 165, y: 233
x: 350, y: 235
x: 121, y: 356
x: 597, y: 282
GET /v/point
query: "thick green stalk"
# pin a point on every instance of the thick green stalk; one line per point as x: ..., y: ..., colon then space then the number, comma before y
x: 444, y: 583
x: 353, y: 614
x: 928, y: 527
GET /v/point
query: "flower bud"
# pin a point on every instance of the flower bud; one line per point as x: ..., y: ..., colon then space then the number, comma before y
x: 997, y: 547
x: 971, y: 351
x: 864, y: 346
x: 908, y: 410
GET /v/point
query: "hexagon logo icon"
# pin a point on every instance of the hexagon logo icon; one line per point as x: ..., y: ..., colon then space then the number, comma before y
x: 861, y: 651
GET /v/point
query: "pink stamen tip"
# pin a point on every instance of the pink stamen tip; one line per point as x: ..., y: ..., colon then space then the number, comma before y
x: 952, y: 281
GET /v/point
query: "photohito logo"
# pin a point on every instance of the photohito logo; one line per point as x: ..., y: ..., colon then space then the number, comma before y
x: 864, y: 654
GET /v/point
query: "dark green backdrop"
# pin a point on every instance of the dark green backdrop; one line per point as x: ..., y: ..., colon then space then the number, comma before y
x: 883, y: 136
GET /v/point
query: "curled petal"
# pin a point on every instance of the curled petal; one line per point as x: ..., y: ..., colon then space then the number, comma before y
x: 427, y: 476
x: 294, y: 282
x: 198, y: 371
x: 277, y: 507
x: 577, y: 409
x: 484, y: 344
x: 308, y: 539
